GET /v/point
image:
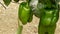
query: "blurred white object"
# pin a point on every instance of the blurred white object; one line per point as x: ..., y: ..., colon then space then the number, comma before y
x: 33, y: 3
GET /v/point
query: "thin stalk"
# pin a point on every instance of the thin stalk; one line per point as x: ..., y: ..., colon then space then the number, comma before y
x: 2, y: 5
x: 20, y: 28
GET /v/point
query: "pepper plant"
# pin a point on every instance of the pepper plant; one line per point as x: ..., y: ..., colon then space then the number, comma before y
x: 47, y: 11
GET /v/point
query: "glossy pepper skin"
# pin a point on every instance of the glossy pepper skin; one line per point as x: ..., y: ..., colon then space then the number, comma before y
x: 25, y: 13
x: 46, y: 29
x: 49, y: 16
x: 30, y: 16
x: 48, y: 22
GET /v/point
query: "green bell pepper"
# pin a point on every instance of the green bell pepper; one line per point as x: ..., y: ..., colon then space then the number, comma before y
x: 25, y: 13
x: 49, y: 15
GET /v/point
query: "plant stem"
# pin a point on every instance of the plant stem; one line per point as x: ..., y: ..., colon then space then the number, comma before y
x: 2, y: 5
x: 20, y: 28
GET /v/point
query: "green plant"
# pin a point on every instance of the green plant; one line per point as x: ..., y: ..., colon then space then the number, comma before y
x: 47, y: 11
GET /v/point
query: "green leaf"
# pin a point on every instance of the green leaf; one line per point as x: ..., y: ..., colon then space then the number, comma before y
x: 16, y: 0
x: 7, y: 2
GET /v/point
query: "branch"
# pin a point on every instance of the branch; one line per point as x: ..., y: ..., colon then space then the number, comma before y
x: 2, y: 5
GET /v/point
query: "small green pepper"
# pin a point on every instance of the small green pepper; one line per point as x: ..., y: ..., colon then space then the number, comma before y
x: 25, y: 13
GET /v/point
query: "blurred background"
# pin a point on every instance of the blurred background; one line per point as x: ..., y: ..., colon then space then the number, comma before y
x: 9, y: 21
